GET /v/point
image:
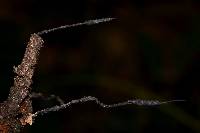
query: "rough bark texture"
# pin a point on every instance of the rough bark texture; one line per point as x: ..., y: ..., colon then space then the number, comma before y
x: 16, y: 111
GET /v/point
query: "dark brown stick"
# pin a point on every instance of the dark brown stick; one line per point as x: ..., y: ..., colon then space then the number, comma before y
x: 16, y: 111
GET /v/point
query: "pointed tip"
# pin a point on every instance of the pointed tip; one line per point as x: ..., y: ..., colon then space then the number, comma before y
x: 96, y: 21
x: 172, y: 101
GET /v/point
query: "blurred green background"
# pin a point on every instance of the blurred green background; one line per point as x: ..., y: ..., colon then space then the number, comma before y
x: 151, y: 51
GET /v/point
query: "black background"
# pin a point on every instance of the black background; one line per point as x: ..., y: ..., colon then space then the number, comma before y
x: 151, y: 51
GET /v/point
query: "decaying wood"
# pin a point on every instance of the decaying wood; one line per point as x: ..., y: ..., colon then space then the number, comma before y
x: 16, y: 111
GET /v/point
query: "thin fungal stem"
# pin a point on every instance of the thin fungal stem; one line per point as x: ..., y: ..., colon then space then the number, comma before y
x: 138, y: 102
x: 88, y: 22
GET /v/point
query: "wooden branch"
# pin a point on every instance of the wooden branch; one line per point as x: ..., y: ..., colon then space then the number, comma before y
x: 16, y: 111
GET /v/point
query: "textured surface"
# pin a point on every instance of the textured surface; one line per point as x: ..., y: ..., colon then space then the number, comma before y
x: 16, y: 111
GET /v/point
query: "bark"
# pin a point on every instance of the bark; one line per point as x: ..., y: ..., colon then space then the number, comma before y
x: 16, y: 111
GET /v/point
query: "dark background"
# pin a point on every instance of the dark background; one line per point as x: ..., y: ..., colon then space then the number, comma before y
x: 151, y: 51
